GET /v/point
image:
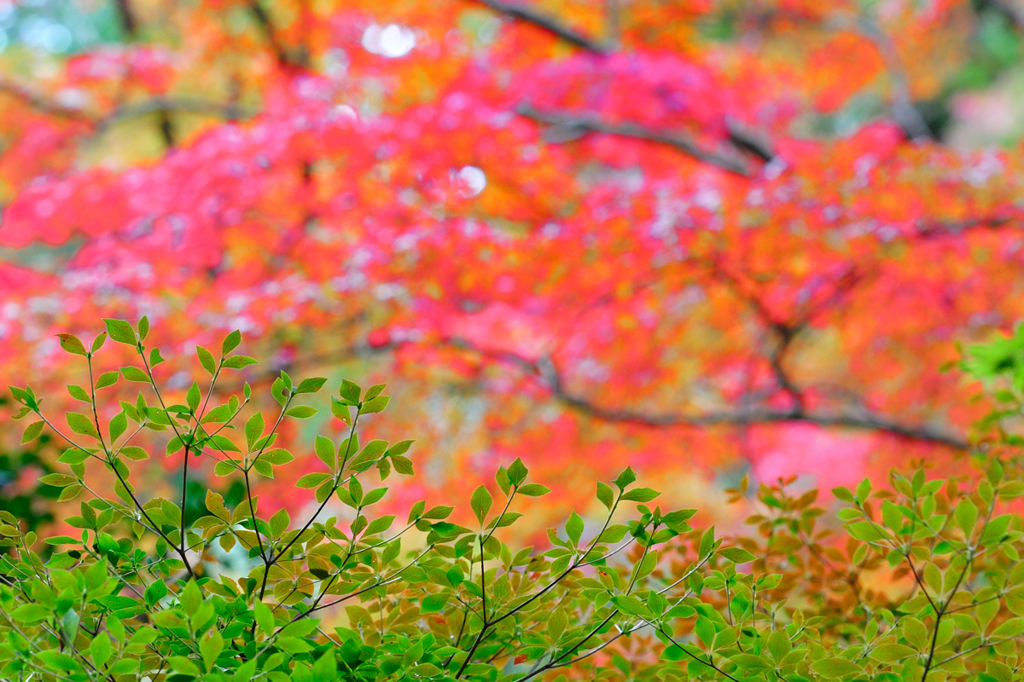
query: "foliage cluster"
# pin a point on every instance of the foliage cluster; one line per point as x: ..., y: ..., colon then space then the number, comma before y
x: 573, y: 226
x: 924, y: 581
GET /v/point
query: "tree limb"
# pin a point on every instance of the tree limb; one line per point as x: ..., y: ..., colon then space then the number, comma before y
x: 103, y: 120
x: 579, y: 124
x: 549, y: 24
x: 860, y: 419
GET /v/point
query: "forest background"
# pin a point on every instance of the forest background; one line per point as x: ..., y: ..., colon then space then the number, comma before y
x: 702, y: 238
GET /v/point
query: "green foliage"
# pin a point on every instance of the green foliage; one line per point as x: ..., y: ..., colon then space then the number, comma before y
x: 924, y: 582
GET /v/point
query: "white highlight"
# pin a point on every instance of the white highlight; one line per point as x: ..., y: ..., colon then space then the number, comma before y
x: 391, y: 41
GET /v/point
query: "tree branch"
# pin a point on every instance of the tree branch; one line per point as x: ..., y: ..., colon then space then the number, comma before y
x: 861, y: 419
x: 284, y: 57
x: 581, y: 124
x: 100, y: 121
x: 549, y: 24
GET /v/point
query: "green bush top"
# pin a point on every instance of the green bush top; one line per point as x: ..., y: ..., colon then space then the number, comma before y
x: 922, y: 581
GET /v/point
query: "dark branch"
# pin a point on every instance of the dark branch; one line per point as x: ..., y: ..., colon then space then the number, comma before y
x: 100, y: 121
x: 567, y: 125
x: 1007, y: 8
x: 169, y: 105
x: 747, y: 140
x: 860, y: 419
x: 128, y: 20
x: 284, y: 57
x: 41, y: 103
x: 549, y: 24
x: 936, y: 230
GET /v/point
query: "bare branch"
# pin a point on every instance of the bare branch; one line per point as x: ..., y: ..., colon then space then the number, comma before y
x: 44, y: 105
x: 100, y: 121
x: 284, y: 56
x: 936, y: 230
x: 581, y: 123
x: 187, y: 105
x: 854, y: 418
x: 1007, y: 8
x: 549, y: 24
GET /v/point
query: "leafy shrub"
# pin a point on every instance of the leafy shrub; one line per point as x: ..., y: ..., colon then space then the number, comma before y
x: 924, y: 581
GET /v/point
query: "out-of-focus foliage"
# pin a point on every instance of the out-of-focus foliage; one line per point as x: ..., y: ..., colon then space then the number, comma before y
x: 707, y: 231
x: 923, y: 582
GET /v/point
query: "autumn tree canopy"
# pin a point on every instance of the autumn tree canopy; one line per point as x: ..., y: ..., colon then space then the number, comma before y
x: 588, y: 233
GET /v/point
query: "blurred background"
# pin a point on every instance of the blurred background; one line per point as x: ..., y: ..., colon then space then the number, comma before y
x: 705, y: 238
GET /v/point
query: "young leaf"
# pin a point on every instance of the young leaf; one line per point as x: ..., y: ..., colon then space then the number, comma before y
x: 324, y: 449
x: 481, y: 502
x: 72, y: 344
x: 206, y: 360
x: 121, y: 331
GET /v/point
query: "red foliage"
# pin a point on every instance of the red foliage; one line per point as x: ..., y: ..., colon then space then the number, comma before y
x: 556, y: 253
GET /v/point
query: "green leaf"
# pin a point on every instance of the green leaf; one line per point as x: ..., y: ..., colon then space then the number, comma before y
x: 100, y: 649
x: 833, y: 668
x: 350, y: 392
x: 632, y: 606
x: 779, y: 645
x: 79, y: 393
x: 72, y: 344
x: 174, y: 444
x: 118, y: 425
x: 206, y: 360
x: 866, y: 531
x: 193, y: 397
x: 966, y: 515
x: 574, y: 528
x: 254, y: 429
x: 557, y: 622
x: 737, y: 555
x: 73, y: 456
x: 143, y: 328
x: 279, y: 523
x: 374, y: 391
x: 324, y: 449
x: 120, y: 331
x: 864, y: 490
x: 311, y: 480
x: 134, y: 374
x: 890, y: 653
x: 605, y: 495
x: 134, y: 453
x: 481, y: 502
x: 156, y: 591
x: 326, y: 668
x: 517, y: 472
x: 380, y: 525
x: 376, y: 405
x: 210, y: 646
x: 32, y: 432
x: 1011, y: 628
x: 31, y: 614
x: 433, y: 603
x: 98, y: 342
x: 640, y: 495
x: 533, y: 490
x: 238, y: 362
x: 183, y: 665
x: 81, y: 424
x: 310, y: 385
x: 264, y: 618
x: 231, y: 342
x: 625, y: 479
x: 106, y: 379
x: 301, y: 412
x: 749, y: 663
